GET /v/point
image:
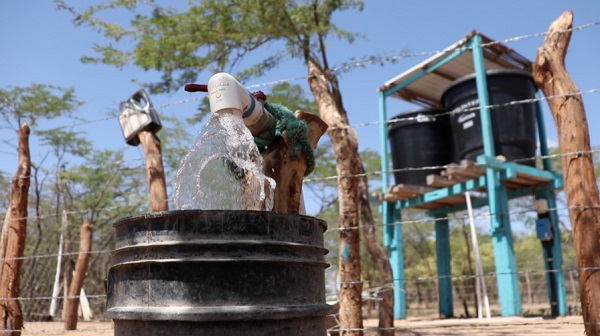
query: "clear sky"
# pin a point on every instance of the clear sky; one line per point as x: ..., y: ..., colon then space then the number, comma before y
x: 41, y: 45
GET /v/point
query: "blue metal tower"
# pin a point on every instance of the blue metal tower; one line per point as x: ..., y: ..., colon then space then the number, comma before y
x: 501, y: 181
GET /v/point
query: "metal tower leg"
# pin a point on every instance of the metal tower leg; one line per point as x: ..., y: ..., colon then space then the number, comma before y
x: 506, y: 268
x: 553, y: 259
x: 444, y: 269
x: 396, y: 255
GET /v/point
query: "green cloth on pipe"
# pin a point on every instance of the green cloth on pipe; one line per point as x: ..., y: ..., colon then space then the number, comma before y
x: 296, y: 132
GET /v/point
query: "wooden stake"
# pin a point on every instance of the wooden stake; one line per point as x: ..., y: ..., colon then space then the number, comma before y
x: 551, y: 76
x: 155, y: 171
x: 72, y: 301
x: 288, y: 173
x: 16, y: 222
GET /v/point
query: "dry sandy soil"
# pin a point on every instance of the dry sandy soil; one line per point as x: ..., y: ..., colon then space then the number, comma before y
x: 496, y: 326
x: 564, y: 326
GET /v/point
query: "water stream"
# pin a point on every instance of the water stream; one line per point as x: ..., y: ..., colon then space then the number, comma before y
x: 223, y: 170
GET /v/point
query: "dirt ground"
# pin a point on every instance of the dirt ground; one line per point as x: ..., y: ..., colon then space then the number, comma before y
x: 495, y: 326
x: 57, y: 328
x: 564, y: 326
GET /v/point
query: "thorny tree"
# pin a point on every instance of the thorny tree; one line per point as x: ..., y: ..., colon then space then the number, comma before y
x: 67, y: 176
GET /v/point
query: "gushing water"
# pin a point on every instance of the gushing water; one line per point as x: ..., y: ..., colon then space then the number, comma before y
x: 223, y: 170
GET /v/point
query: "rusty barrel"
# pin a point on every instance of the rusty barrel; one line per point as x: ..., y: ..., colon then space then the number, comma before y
x: 218, y: 273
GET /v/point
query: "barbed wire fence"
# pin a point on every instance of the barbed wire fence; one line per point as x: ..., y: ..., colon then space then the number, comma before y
x: 40, y: 264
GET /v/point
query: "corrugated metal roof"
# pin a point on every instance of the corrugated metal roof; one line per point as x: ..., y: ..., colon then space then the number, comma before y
x: 427, y: 90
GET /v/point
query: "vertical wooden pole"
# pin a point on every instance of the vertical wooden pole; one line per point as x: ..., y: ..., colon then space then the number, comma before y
x: 325, y: 89
x: 16, y: 219
x: 551, y: 76
x: 288, y: 173
x: 72, y: 300
x: 155, y: 171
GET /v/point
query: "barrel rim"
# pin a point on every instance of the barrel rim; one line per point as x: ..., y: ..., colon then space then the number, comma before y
x: 218, y: 313
x: 393, y: 126
x: 194, y: 212
x: 217, y: 243
x: 286, y: 261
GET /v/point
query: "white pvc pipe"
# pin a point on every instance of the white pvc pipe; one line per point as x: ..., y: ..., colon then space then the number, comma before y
x: 225, y: 92
x: 56, y: 287
x: 480, y: 283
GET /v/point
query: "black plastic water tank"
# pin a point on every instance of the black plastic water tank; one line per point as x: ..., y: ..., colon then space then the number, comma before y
x: 191, y: 272
x: 514, y: 126
x: 419, y: 138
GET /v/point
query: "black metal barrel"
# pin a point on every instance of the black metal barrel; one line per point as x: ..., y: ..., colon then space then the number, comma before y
x: 218, y: 273
x: 419, y: 138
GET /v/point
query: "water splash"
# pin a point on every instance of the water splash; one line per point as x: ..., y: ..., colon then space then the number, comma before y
x: 223, y: 170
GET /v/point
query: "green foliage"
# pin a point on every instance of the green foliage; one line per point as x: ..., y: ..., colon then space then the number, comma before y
x: 419, y: 245
x: 65, y: 141
x: 291, y: 96
x: 101, y: 187
x: 210, y: 35
x: 176, y: 141
x: 96, y: 186
x: 33, y: 103
x: 4, y: 190
x: 596, y: 159
x: 527, y: 246
x: 82, y: 182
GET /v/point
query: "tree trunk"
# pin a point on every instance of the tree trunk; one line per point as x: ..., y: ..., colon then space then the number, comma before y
x: 72, y: 303
x: 581, y: 189
x: 386, y: 293
x: 16, y: 219
x: 155, y: 171
x: 345, y: 146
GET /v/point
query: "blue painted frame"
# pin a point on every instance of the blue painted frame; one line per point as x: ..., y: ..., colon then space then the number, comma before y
x: 498, y: 196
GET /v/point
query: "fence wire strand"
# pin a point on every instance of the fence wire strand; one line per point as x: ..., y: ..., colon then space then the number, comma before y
x: 141, y: 160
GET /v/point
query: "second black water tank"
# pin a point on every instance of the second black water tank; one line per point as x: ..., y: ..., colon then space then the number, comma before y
x: 419, y: 139
x: 514, y: 125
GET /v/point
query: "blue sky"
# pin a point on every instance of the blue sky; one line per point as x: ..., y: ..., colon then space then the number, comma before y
x: 41, y: 45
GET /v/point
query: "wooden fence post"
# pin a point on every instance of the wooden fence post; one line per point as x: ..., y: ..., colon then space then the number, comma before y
x: 72, y: 301
x: 566, y: 104
x: 139, y: 122
x: 155, y: 171
x: 288, y: 173
x: 16, y: 229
